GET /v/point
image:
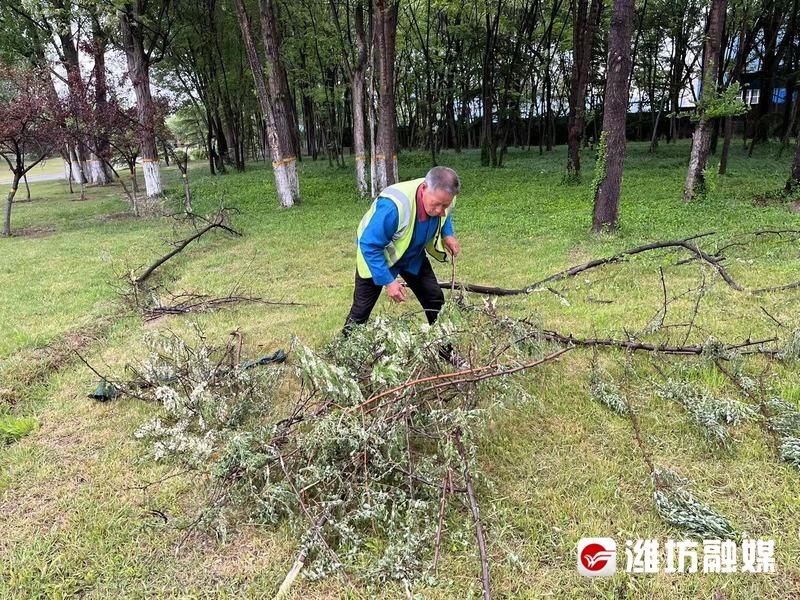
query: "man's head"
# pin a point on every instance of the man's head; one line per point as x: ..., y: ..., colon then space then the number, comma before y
x: 438, y: 190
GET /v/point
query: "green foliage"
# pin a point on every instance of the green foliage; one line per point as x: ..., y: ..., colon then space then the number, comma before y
x: 12, y: 428
x: 204, y: 405
x: 712, y: 413
x: 791, y: 351
x: 678, y: 507
x: 725, y: 103
x: 607, y: 393
x: 790, y: 451
x: 784, y: 420
x: 369, y: 470
x: 714, y: 349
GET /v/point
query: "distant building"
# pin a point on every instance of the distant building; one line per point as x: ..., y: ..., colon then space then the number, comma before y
x: 751, y: 89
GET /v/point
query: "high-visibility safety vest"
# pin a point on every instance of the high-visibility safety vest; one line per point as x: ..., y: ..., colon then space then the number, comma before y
x: 404, y: 196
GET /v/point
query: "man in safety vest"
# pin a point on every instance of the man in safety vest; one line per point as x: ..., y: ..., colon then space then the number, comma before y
x: 405, y: 221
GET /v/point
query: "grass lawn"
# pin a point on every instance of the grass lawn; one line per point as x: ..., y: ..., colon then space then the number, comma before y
x: 78, y: 520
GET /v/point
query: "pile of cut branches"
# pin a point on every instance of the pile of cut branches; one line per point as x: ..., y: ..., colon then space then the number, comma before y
x: 366, y: 448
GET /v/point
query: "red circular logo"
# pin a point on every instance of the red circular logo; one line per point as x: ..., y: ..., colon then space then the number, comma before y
x: 594, y: 556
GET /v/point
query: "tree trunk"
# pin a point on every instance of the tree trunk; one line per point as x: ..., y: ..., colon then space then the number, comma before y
x: 790, y: 93
x: 488, y: 142
x: 222, y: 144
x: 769, y: 65
x: 385, y: 23
x: 284, y: 166
x: 701, y: 140
x: 654, y: 135
x: 584, y: 33
x: 63, y: 18
x: 210, y: 143
x: 309, y: 124
x: 726, y: 145
x: 377, y: 175
x: 612, y: 140
x: 357, y: 103
x: 76, y: 168
x: 9, y: 201
x: 100, y: 153
x: 139, y: 72
x: 281, y: 101
x: 745, y: 42
x: 548, y: 98
x: 790, y: 64
x: 793, y: 183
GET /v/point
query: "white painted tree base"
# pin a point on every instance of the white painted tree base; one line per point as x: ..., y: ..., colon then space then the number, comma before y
x: 152, y: 179
x: 97, y: 173
x: 286, y: 184
x: 75, y: 172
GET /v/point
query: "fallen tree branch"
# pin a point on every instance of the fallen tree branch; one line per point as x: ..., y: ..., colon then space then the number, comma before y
x: 300, y: 561
x: 778, y: 288
x: 632, y: 345
x: 217, y: 223
x: 449, y: 379
x: 476, y: 518
x: 186, y: 303
x: 685, y: 244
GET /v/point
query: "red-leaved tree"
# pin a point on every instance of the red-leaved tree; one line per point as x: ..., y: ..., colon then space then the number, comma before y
x: 29, y: 130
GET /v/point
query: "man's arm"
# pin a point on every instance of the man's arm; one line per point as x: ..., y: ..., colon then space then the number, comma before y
x: 376, y: 236
x: 447, y: 228
x: 449, y: 237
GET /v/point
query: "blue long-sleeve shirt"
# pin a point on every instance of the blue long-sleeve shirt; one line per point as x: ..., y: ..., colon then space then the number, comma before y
x: 378, y: 233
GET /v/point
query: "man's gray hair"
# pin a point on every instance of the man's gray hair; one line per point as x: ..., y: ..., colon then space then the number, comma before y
x: 445, y: 179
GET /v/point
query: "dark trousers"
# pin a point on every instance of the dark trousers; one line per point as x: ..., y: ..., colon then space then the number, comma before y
x: 424, y: 285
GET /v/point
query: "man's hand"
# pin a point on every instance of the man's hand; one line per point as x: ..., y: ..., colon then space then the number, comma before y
x: 452, y: 245
x: 396, y: 292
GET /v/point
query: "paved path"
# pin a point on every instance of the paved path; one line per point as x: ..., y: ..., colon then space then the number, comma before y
x: 34, y: 178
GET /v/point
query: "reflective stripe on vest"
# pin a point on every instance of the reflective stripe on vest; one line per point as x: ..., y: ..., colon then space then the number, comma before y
x: 404, y: 197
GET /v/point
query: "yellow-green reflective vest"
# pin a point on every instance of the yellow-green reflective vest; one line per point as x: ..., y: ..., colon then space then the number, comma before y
x: 404, y: 196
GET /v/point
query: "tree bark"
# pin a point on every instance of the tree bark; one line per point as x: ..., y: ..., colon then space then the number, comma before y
x: 139, y: 73
x: 284, y: 166
x: 377, y: 175
x: 701, y: 140
x: 772, y: 25
x: 744, y: 45
x: 793, y: 183
x: 277, y: 80
x: 385, y: 23
x: 357, y: 102
x: 612, y: 140
x: 727, y: 132
x: 9, y: 202
x: 100, y: 151
x: 68, y: 54
x: 488, y: 141
x: 583, y: 37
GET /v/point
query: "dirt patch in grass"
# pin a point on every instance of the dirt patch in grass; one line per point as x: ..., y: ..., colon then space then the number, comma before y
x: 34, y: 232
x: 247, y: 554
